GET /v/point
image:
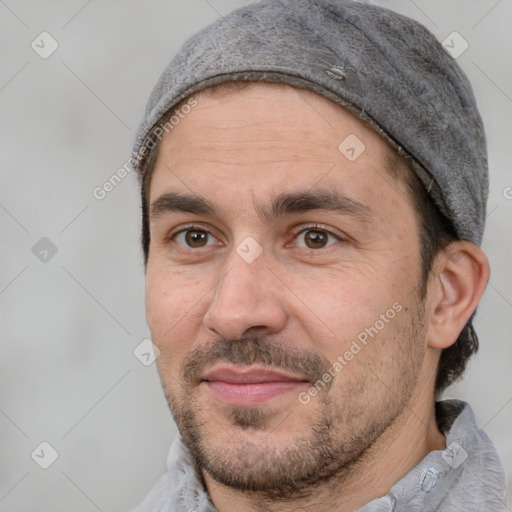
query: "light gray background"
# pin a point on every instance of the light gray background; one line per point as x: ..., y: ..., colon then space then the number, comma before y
x: 69, y: 325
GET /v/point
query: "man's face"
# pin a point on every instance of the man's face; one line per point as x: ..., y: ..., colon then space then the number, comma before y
x: 250, y: 310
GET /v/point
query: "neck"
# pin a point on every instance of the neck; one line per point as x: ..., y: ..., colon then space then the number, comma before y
x: 402, y: 446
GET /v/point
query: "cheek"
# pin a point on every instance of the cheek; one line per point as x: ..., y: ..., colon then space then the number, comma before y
x: 158, y: 302
x: 339, y: 305
x: 173, y: 312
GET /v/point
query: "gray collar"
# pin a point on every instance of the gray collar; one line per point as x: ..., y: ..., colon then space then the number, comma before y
x: 467, y: 475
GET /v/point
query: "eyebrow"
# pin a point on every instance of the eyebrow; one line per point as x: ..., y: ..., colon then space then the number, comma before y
x: 286, y: 203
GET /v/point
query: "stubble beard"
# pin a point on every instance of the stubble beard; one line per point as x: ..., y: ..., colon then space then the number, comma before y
x: 323, y: 452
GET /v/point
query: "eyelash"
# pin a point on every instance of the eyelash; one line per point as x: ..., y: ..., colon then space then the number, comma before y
x: 304, y: 228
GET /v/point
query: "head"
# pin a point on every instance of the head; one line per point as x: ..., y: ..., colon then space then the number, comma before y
x: 311, y: 232
x: 268, y: 248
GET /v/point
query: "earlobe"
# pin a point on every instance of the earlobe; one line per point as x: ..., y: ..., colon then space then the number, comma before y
x: 462, y: 273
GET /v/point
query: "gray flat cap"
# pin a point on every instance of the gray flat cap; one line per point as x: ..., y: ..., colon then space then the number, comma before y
x: 386, y: 68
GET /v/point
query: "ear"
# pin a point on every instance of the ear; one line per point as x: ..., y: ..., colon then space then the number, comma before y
x: 461, y: 273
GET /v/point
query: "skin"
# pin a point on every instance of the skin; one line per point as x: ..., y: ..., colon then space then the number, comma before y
x: 298, y: 306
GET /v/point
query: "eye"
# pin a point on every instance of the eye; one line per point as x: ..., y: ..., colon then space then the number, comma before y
x: 314, y: 238
x: 194, y: 238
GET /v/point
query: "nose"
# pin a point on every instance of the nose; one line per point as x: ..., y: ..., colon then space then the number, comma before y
x: 247, y: 297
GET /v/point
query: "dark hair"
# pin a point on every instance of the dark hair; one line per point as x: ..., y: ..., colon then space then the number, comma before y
x: 435, y: 233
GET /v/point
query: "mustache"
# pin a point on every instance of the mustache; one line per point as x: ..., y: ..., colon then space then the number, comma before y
x: 253, y: 350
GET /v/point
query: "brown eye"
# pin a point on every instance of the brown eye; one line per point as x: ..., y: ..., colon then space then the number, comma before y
x: 315, y: 239
x: 194, y: 238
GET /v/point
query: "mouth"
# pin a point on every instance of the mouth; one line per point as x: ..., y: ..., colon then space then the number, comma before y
x: 249, y: 386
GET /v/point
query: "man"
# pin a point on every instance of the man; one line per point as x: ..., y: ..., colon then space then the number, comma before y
x: 314, y: 181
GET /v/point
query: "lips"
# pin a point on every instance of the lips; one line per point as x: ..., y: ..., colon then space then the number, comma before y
x: 250, y: 386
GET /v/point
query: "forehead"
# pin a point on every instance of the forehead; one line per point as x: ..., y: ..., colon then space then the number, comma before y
x: 269, y: 138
